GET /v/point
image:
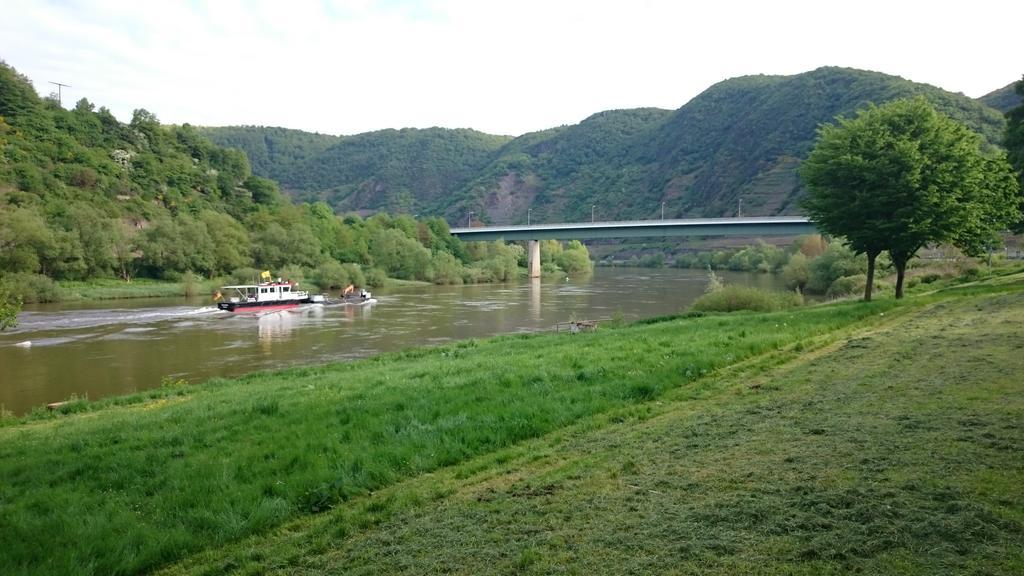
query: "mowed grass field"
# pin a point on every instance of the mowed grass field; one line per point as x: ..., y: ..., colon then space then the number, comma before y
x: 829, y: 439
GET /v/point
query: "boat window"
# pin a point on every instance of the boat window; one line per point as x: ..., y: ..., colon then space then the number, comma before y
x: 263, y: 290
x: 286, y: 289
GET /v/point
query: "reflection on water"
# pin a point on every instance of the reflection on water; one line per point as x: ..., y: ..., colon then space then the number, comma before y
x: 102, y: 348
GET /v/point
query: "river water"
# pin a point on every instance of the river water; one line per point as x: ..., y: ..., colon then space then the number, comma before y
x: 97, y: 349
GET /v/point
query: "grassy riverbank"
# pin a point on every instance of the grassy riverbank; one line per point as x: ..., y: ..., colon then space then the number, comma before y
x: 113, y: 289
x: 133, y: 483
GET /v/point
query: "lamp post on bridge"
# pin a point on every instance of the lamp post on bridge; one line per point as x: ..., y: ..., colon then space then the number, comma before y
x: 528, y: 211
x: 469, y: 224
x: 662, y: 210
x: 592, y: 207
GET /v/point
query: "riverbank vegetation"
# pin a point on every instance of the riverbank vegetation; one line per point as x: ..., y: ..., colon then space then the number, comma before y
x: 140, y: 481
x: 85, y: 199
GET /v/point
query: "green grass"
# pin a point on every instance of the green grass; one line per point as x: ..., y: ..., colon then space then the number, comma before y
x: 897, y: 450
x: 128, y: 484
x: 735, y: 297
x: 112, y: 289
x: 478, y: 443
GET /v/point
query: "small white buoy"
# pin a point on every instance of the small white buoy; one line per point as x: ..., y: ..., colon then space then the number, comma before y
x: 25, y: 344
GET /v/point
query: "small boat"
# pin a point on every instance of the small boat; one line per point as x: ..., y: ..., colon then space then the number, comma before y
x: 264, y: 297
x: 358, y: 298
x: 350, y: 295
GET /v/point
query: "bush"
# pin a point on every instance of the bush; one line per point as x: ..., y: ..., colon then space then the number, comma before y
x: 446, y: 268
x: 796, y: 273
x: 355, y: 274
x: 245, y: 275
x: 330, y: 276
x: 836, y: 262
x: 376, y: 277
x: 733, y: 298
x: 847, y: 286
x: 472, y: 275
x: 27, y: 287
x: 575, y: 259
x: 190, y: 284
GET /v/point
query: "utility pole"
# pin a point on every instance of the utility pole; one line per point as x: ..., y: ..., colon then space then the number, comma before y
x: 592, y: 206
x: 59, y: 86
x: 662, y: 210
x: 739, y: 208
x: 528, y: 211
x: 470, y: 223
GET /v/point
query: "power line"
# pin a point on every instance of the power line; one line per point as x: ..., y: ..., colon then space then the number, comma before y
x: 59, y: 86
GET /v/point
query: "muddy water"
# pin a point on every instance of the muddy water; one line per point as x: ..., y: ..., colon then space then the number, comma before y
x: 103, y: 348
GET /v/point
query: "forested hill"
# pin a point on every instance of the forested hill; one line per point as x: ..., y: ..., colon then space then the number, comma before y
x: 1003, y: 99
x: 742, y: 137
x: 406, y: 170
x: 84, y: 196
x: 273, y: 153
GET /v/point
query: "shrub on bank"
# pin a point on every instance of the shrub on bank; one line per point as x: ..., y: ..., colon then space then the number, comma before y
x: 28, y: 287
x: 734, y: 298
x: 847, y: 286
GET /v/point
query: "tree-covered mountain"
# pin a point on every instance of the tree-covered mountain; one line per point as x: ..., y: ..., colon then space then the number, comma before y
x: 273, y: 152
x: 1003, y: 99
x: 741, y: 138
x: 84, y: 196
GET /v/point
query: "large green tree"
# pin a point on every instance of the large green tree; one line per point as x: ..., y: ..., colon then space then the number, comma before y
x: 902, y: 175
x: 1014, y: 141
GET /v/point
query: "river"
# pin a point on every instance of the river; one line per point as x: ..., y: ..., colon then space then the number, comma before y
x: 101, y: 348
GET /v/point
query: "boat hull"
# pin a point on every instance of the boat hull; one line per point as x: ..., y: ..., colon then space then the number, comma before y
x: 261, y: 306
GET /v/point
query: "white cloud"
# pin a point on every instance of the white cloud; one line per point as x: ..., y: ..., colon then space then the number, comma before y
x: 501, y: 67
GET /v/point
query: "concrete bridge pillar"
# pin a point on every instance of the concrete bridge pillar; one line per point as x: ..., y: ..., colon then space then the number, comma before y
x: 533, y: 248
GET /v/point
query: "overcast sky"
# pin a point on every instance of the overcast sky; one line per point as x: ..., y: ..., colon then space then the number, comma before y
x: 501, y: 67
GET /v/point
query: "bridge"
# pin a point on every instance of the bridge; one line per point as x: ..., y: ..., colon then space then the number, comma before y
x: 761, y: 226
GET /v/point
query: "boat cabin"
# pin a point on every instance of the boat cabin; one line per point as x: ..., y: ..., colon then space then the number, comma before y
x: 263, y: 292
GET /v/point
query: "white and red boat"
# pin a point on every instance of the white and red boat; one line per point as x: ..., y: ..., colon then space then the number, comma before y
x: 265, y: 296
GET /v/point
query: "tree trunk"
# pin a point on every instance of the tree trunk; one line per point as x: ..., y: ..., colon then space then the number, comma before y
x: 872, y: 255
x: 901, y: 269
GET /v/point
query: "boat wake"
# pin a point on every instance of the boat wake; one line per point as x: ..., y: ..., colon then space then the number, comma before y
x: 78, y: 319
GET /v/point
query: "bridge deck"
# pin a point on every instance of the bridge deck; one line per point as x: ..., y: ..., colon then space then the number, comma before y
x: 769, y: 225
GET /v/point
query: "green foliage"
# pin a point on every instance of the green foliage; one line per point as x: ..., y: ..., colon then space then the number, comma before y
x: 376, y: 277
x: 760, y: 257
x: 734, y: 297
x: 399, y: 256
x: 446, y: 268
x: 796, y: 273
x: 331, y: 275
x: 190, y: 284
x: 1013, y: 139
x: 29, y: 287
x: 10, y: 305
x: 847, y: 286
x: 85, y: 197
x: 1004, y: 99
x: 837, y: 261
x: 744, y: 136
x: 901, y: 175
x: 575, y: 259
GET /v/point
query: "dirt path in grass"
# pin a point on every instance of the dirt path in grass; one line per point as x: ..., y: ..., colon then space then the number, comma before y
x: 898, y: 450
